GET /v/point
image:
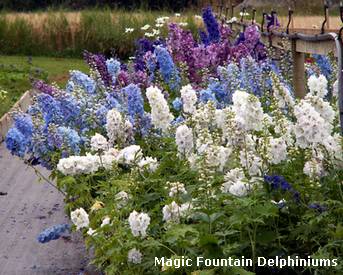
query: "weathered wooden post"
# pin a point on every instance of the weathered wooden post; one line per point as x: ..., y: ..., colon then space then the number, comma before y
x: 253, y: 16
x: 326, y: 18
x: 242, y: 18
x: 231, y: 15
x: 327, y: 15
x: 290, y: 19
x: 221, y: 8
x: 298, y: 71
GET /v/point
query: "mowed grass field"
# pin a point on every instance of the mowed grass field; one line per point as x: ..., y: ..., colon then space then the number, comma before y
x: 16, y: 73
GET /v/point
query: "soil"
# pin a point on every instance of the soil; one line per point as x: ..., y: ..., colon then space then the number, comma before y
x: 27, y: 207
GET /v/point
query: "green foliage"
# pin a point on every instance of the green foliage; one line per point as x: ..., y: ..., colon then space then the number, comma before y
x: 220, y: 226
x: 15, y: 81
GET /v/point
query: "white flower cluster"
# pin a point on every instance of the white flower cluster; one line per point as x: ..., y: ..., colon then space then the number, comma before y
x: 77, y: 165
x: 134, y: 256
x: 99, y: 143
x: 322, y: 107
x: 129, y: 30
x: 173, y: 212
x: 232, y: 20
x: 160, y: 21
x: 189, y: 99
x: 277, y: 150
x: 318, y: 85
x: 184, y: 140
x: 235, y: 184
x: 119, y: 130
x: 251, y: 161
x: 248, y: 111
x: 79, y: 217
x: 105, y: 221
x: 218, y: 156
x: 148, y: 163
x: 335, y: 89
x: 283, y: 96
x: 243, y: 13
x: 161, y: 117
x: 333, y: 145
x: 176, y: 188
x: 314, y: 168
x: 153, y: 33
x: 139, y: 223
x: 91, y: 232
x: 310, y: 128
x: 130, y: 154
x: 204, y: 116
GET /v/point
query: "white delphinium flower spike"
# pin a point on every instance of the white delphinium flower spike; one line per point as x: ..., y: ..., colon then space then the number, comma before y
x: 173, y: 212
x: 161, y: 117
x: 99, y: 143
x: 118, y: 128
x: 184, y: 140
x: 277, y: 150
x: 318, y: 85
x: 234, y: 183
x: 189, y: 99
x: 79, y: 217
x: 139, y: 223
x: 310, y: 128
x: 248, y: 111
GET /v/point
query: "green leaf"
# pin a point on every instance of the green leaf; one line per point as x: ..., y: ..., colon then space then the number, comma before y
x: 215, y: 216
x: 208, y: 240
x: 266, y: 237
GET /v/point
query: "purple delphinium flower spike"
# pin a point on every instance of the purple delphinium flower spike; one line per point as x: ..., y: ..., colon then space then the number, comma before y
x: 53, y: 233
x: 41, y: 86
x: 98, y: 62
x: 212, y: 25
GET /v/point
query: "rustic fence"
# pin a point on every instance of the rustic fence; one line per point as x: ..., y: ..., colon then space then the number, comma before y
x: 305, y: 41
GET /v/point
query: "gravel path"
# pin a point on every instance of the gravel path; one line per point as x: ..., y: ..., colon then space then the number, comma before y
x: 28, y: 208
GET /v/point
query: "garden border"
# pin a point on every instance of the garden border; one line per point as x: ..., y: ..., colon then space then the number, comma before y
x: 6, y: 120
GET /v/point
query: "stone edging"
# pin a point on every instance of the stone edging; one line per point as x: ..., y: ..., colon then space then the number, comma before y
x: 6, y: 120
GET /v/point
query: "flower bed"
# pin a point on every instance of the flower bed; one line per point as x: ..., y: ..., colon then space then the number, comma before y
x: 194, y: 150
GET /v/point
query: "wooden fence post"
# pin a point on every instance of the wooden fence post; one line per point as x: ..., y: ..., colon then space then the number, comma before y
x: 298, y: 71
x: 328, y: 19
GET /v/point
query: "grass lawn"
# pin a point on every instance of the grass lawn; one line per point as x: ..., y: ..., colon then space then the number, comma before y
x: 16, y: 72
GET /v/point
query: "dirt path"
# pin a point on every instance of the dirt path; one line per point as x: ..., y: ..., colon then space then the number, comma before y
x: 28, y: 208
